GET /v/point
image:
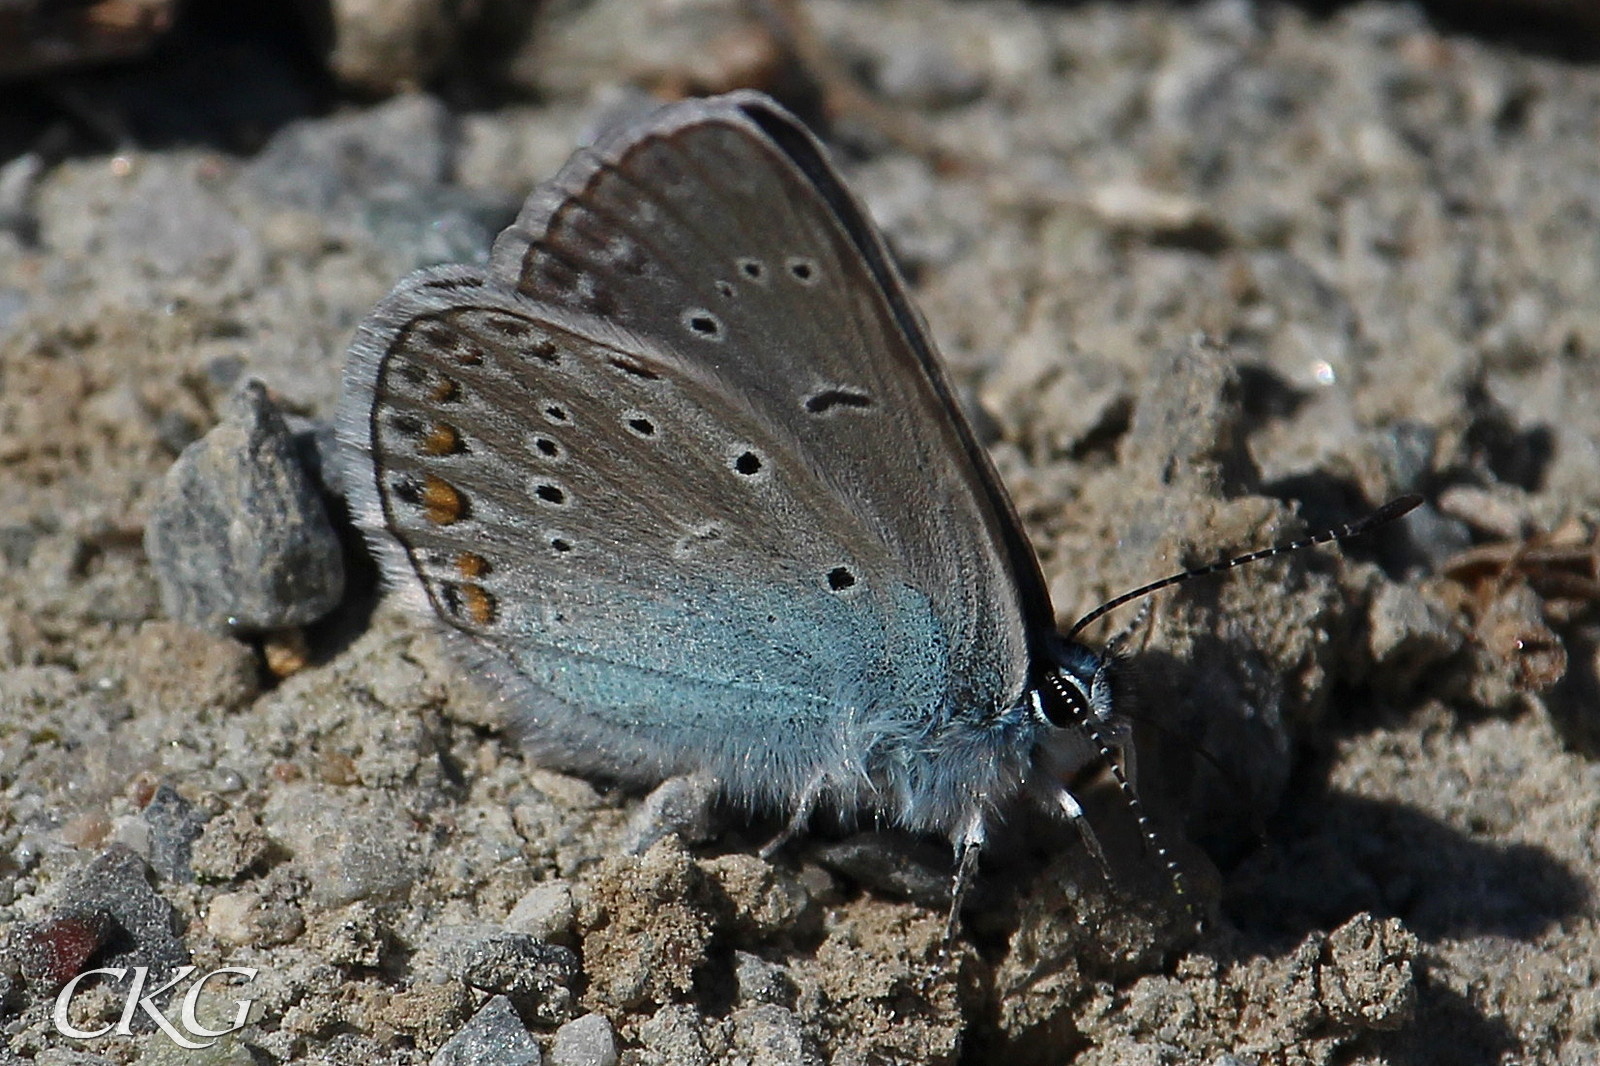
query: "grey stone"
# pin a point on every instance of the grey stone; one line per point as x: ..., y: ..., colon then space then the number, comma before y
x: 320, y: 164
x: 239, y: 537
x: 109, y: 899
x: 585, y: 1041
x: 681, y: 805
x: 545, y: 912
x: 383, y: 174
x: 173, y: 226
x: 494, y: 1037
x: 50, y: 953
x: 761, y: 981
x: 671, y: 1037
x: 893, y: 864
x: 174, y: 826
x: 349, y: 850
x: 1411, y: 634
x: 770, y: 1035
x: 538, y: 978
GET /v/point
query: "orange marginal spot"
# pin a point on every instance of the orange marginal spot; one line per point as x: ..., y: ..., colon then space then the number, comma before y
x: 442, y: 439
x: 442, y: 502
x: 471, y: 564
x: 448, y: 390
x: 480, y: 605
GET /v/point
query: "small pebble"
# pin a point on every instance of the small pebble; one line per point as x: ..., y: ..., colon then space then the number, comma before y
x: 536, y: 977
x: 494, y: 1037
x: 239, y: 538
x: 773, y: 1036
x: 585, y: 1041
x: 545, y: 912
x: 174, y: 826
x: 681, y: 805
x: 895, y: 865
x: 761, y: 981
x: 55, y: 950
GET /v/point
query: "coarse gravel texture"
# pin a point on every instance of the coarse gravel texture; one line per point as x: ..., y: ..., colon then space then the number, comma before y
x: 1211, y: 274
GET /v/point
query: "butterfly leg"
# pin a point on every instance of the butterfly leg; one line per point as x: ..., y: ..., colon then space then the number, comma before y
x: 1080, y: 821
x: 797, y: 821
x: 968, y: 846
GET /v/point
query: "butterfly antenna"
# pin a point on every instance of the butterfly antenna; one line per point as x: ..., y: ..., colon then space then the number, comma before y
x: 1085, y: 721
x: 1383, y: 515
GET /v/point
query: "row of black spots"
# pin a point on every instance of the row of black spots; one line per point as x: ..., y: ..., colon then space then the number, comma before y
x: 801, y: 268
x: 423, y: 383
x: 841, y: 579
x: 820, y: 403
x: 548, y: 447
x: 516, y: 333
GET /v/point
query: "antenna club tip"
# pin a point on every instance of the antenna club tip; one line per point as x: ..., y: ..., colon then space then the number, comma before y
x: 1398, y: 506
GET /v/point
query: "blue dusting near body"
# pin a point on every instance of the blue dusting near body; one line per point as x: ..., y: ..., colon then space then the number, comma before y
x: 859, y: 692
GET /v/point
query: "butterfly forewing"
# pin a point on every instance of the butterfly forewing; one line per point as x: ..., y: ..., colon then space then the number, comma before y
x: 734, y: 238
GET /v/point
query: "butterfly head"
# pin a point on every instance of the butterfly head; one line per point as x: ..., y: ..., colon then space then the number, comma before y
x: 1077, y: 684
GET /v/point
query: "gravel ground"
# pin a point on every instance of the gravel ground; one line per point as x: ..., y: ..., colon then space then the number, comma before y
x: 1211, y: 275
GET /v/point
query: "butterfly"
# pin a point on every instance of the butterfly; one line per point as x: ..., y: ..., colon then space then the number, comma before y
x: 680, y: 470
